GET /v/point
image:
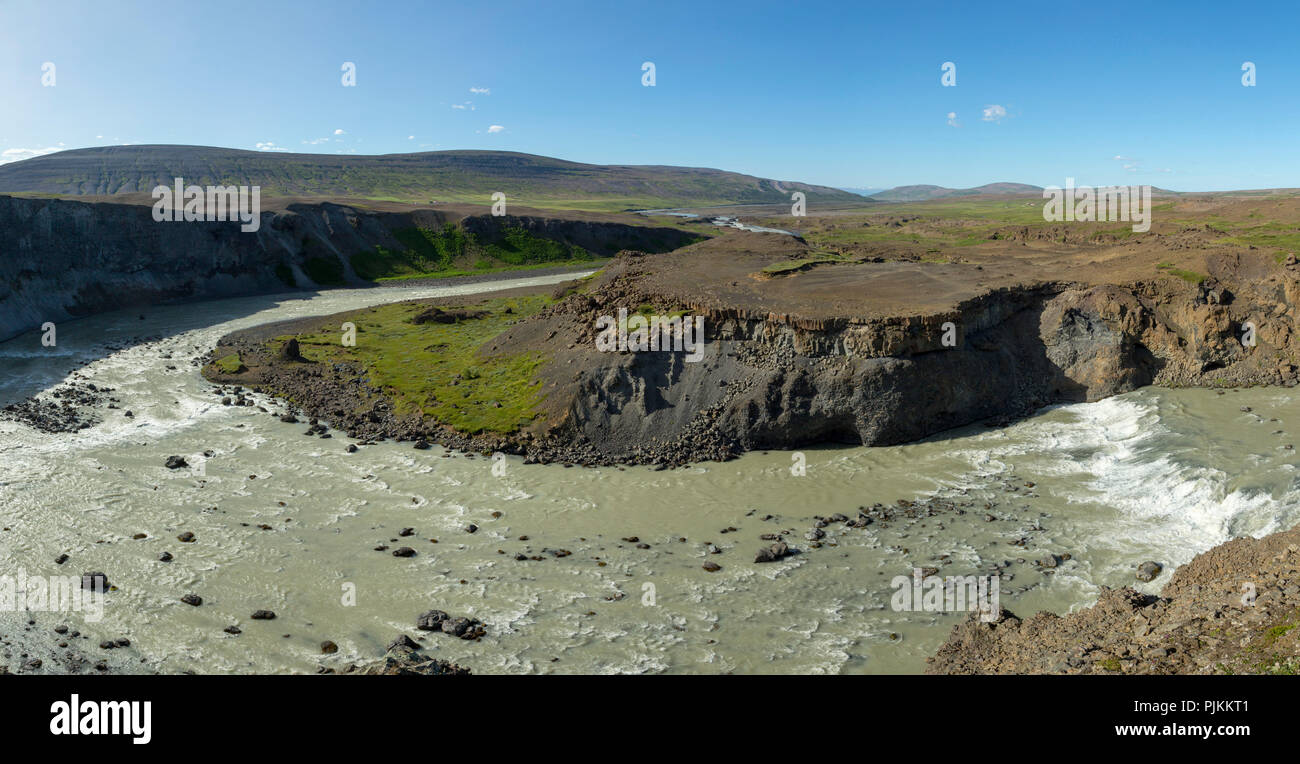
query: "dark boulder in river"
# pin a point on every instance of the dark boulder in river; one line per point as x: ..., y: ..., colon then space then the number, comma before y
x: 94, y: 581
x: 773, y: 553
x: 431, y: 621
x: 1148, y: 571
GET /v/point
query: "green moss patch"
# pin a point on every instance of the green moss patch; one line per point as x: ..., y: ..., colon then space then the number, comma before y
x: 1192, y: 277
x: 327, y: 271
x: 230, y: 364
x: 452, y: 251
x: 285, y: 274
x: 435, y: 368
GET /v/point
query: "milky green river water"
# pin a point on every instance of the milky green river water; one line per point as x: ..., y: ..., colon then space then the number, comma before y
x: 1155, y: 474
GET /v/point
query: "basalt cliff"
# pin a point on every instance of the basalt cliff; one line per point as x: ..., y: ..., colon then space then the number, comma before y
x: 67, y: 258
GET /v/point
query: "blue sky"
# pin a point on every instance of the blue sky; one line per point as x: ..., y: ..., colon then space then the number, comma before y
x: 843, y: 94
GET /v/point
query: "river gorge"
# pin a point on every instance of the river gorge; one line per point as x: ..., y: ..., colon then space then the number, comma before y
x: 612, y: 578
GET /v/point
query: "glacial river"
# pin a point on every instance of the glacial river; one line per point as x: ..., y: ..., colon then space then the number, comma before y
x: 1155, y: 474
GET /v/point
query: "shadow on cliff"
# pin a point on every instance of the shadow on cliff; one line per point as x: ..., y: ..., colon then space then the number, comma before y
x: 1031, y: 360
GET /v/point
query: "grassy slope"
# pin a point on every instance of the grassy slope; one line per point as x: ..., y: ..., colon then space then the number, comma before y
x: 451, y: 250
x: 435, y: 368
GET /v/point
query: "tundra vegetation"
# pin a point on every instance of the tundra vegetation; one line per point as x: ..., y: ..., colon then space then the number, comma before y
x: 436, y: 367
x: 452, y: 251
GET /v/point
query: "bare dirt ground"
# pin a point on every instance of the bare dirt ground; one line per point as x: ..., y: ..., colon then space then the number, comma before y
x: 938, y: 254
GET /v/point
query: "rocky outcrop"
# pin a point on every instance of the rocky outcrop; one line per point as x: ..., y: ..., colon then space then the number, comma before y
x: 782, y: 381
x: 65, y: 259
x: 1233, y: 609
x: 403, y: 659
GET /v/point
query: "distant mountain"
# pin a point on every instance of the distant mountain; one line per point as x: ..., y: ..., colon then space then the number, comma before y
x: 462, y: 176
x: 863, y: 190
x: 924, y: 192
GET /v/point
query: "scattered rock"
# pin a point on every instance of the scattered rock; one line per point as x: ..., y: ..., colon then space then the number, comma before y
x: 431, y: 620
x: 773, y: 553
x: 401, y: 640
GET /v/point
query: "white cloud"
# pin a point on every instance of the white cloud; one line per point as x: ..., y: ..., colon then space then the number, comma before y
x: 18, y: 155
x: 410, y: 137
x: 994, y: 113
x: 339, y: 132
x: 952, y: 119
x: 269, y: 146
x: 316, y: 141
x: 468, y: 105
x: 495, y: 128
x: 481, y: 91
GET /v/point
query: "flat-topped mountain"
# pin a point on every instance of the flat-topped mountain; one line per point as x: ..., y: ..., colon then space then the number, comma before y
x: 922, y: 192
x: 464, y: 176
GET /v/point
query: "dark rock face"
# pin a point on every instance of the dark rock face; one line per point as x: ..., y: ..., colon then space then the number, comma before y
x: 788, y: 386
x: 69, y: 258
x: 1095, y: 357
x: 778, y: 381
